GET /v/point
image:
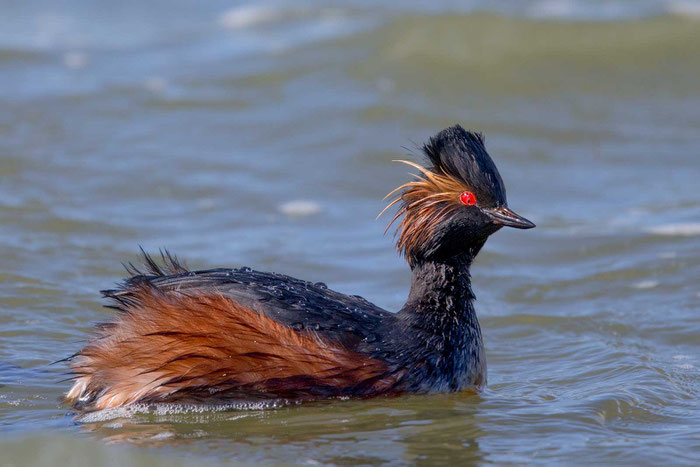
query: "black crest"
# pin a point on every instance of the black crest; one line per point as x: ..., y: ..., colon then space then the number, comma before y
x: 461, y: 154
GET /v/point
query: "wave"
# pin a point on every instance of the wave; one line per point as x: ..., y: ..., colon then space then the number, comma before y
x: 132, y: 410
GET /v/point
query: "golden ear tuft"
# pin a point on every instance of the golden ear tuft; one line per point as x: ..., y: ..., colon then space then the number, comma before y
x: 424, y: 203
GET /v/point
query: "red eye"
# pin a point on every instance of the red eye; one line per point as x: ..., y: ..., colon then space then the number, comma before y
x: 467, y: 198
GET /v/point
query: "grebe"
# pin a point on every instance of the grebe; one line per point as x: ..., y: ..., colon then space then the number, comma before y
x: 229, y: 334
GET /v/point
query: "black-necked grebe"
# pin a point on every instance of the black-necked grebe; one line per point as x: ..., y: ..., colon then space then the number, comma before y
x: 231, y: 334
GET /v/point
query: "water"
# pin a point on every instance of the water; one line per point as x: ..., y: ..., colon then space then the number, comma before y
x: 262, y: 135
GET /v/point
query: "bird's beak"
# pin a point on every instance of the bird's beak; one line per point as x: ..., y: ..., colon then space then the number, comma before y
x: 504, y: 216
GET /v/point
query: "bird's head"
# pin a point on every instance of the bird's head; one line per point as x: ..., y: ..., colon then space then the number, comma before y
x: 456, y: 201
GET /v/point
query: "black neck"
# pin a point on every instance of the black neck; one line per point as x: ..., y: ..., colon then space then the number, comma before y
x: 443, y: 286
x: 437, y: 340
x: 439, y: 287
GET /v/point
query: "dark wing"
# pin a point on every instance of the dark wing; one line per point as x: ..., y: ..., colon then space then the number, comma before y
x: 298, y: 304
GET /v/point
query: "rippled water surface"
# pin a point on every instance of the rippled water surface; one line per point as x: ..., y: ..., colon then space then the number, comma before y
x: 262, y: 135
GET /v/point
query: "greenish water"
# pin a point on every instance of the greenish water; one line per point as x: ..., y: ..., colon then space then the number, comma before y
x: 263, y: 136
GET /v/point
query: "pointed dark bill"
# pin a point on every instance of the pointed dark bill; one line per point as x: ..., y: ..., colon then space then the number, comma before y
x: 504, y: 216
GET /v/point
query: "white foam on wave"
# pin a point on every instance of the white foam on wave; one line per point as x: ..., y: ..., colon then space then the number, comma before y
x: 685, y: 229
x: 130, y: 411
x: 577, y: 10
x: 680, y: 357
x: 649, y: 284
x: 245, y: 16
x: 76, y: 60
x: 684, y: 8
x: 552, y: 9
x: 685, y: 366
x: 582, y: 10
x: 276, y: 27
x: 156, y: 84
x: 300, y: 208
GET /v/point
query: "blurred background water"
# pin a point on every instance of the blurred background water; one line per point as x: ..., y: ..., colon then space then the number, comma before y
x: 262, y: 135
